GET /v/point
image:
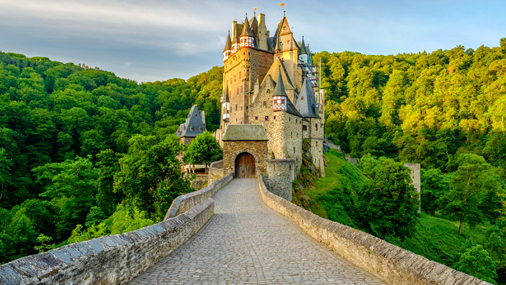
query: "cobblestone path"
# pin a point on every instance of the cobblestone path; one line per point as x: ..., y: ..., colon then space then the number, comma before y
x: 246, y: 242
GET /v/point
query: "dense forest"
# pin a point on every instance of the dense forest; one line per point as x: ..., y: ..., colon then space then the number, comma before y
x: 444, y: 110
x: 75, y: 143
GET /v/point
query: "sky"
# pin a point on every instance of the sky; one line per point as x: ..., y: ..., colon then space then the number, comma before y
x: 154, y: 40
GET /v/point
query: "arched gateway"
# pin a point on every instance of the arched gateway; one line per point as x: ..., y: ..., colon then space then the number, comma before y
x: 245, y: 165
x: 245, y: 150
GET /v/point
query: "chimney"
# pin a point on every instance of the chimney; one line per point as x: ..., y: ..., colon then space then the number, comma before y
x: 203, y: 116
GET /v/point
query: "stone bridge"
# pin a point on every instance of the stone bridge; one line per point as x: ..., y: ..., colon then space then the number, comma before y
x: 254, y: 237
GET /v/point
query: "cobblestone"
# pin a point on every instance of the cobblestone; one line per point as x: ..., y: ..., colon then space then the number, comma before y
x: 246, y: 242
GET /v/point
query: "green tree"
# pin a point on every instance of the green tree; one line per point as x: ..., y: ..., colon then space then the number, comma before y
x: 476, y: 261
x: 467, y: 185
x: 74, y: 183
x: 388, y: 202
x: 150, y: 175
x: 204, y: 149
x: 435, y: 185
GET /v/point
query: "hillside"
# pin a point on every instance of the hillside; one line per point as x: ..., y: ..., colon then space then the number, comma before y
x: 71, y: 137
x: 335, y: 197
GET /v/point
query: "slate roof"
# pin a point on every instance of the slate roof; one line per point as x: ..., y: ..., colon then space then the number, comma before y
x: 246, y: 30
x: 228, y: 45
x: 245, y: 133
x: 276, y: 67
x: 303, y: 47
x: 306, y: 105
x: 193, y: 121
x: 254, y: 25
x: 280, y: 91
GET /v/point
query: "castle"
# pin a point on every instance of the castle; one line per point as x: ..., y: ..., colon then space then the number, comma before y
x: 271, y: 81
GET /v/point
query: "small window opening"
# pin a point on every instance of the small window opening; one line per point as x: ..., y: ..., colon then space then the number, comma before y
x: 266, y: 118
x: 256, y: 117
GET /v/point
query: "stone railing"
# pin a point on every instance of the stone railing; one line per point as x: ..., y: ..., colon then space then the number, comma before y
x: 117, y: 259
x: 215, y: 172
x: 185, y: 202
x: 114, y: 259
x: 389, y: 262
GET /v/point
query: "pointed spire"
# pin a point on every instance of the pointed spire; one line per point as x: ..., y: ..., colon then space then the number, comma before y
x: 228, y: 45
x: 246, y: 30
x: 280, y: 87
x: 303, y: 47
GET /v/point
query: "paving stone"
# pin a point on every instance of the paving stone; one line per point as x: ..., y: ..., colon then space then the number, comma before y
x: 247, y: 242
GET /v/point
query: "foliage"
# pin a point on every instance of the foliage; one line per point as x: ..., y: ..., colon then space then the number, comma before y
x: 476, y: 261
x: 125, y: 219
x: 473, y: 177
x: 204, y: 149
x: 63, y: 130
x: 43, y: 247
x: 388, y: 202
x: 150, y: 175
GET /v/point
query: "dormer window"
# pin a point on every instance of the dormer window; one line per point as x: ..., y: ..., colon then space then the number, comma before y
x: 200, y: 129
x: 191, y: 129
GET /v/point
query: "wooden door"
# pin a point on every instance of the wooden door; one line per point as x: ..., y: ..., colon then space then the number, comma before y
x: 245, y: 166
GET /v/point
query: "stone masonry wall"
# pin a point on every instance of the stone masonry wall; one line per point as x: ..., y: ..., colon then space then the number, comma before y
x: 186, y: 202
x: 215, y: 172
x: 231, y: 149
x: 114, y: 259
x: 391, y: 263
x: 281, y: 173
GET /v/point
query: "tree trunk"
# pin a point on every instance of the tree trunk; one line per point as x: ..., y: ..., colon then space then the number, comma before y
x: 460, y: 227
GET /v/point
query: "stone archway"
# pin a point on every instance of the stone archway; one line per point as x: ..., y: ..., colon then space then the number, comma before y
x: 245, y: 165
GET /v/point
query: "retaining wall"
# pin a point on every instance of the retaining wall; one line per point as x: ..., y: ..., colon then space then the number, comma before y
x: 389, y: 262
x: 113, y: 259
x: 185, y: 202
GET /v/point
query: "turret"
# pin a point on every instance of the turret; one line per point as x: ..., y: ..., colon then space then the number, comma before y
x: 228, y: 48
x: 247, y: 38
x: 303, y: 52
x: 235, y: 39
x: 279, y: 97
x: 225, y: 105
x: 263, y: 33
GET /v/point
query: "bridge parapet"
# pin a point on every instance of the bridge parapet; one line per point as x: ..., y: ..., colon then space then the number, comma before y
x: 387, y: 261
x: 117, y: 259
x: 187, y: 201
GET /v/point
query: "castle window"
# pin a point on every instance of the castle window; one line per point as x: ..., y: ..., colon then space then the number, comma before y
x: 246, y: 107
x: 191, y: 129
x: 304, y: 128
x: 293, y: 149
x: 266, y: 118
x: 291, y: 134
x: 268, y: 91
x: 256, y: 117
x: 200, y: 129
x: 196, y: 115
x: 301, y: 98
x: 236, y: 108
x: 316, y: 125
x: 274, y: 117
x: 265, y: 103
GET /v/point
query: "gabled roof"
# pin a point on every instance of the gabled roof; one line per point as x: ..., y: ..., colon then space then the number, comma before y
x: 245, y: 133
x: 277, y: 66
x: 193, y: 125
x: 246, y: 30
x: 306, y: 105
